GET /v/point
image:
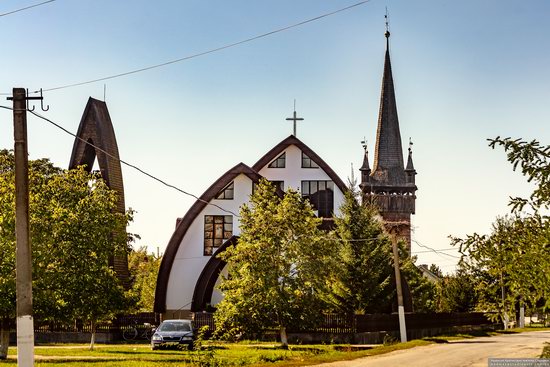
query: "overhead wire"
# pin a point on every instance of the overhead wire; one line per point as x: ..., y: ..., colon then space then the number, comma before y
x: 26, y: 8
x: 213, y: 50
x: 430, y: 249
x: 127, y: 163
x: 435, y: 251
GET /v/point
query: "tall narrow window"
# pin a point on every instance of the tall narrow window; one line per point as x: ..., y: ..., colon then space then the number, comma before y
x: 308, y: 162
x: 321, y: 196
x: 279, y: 162
x: 217, y: 229
x: 227, y: 192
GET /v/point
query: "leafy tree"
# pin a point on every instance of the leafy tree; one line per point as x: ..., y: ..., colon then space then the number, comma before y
x: 363, y: 281
x: 144, y: 268
x: 279, y: 268
x: 457, y: 292
x: 511, y: 264
x: 534, y: 162
x: 423, y: 292
x: 436, y: 270
x: 74, y: 229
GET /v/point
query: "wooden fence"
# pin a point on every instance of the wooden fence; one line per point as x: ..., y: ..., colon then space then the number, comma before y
x: 116, y: 325
x: 332, y: 324
x: 342, y: 324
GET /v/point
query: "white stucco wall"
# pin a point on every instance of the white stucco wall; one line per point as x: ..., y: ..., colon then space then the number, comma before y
x: 189, y: 260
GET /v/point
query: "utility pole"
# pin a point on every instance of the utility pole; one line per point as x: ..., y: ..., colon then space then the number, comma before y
x: 25, y: 324
x: 400, y: 307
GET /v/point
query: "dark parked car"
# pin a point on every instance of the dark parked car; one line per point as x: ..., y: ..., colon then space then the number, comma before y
x: 173, y: 333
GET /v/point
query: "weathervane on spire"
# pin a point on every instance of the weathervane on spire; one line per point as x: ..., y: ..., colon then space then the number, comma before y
x: 294, y: 119
x: 387, y: 34
x: 410, y: 144
x: 364, y: 143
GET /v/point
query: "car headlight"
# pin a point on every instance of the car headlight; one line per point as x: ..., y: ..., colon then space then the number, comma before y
x: 157, y: 338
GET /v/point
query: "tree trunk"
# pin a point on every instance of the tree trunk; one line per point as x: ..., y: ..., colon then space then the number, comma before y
x: 4, y: 337
x: 92, y: 341
x: 521, y: 322
x: 284, y: 339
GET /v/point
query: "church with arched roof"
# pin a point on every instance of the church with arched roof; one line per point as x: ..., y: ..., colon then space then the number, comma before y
x: 190, y: 269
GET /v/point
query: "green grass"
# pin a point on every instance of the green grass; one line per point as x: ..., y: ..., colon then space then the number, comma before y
x: 545, y: 351
x: 253, y: 354
x: 220, y: 354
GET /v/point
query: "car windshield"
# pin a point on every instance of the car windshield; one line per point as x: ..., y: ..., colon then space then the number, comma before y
x: 175, y: 326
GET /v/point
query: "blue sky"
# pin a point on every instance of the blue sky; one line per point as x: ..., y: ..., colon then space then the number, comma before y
x: 464, y: 71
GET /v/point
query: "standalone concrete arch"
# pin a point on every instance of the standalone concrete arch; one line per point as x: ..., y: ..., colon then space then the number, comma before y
x: 96, y: 128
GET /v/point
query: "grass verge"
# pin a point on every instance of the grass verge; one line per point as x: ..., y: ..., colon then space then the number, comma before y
x: 218, y: 355
x: 254, y: 354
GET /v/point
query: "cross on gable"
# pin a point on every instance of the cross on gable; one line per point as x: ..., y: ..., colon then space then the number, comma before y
x: 294, y: 119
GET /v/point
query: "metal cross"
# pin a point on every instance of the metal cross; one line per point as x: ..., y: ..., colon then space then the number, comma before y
x: 294, y: 119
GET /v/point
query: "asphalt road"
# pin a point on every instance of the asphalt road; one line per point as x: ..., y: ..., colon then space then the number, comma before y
x: 459, y: 353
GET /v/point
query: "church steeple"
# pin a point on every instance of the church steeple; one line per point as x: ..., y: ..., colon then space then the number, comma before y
x: 388, y: 154
x: 390, y: 185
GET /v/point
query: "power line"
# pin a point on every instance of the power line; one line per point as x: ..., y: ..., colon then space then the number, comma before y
x: 203, y: 53
x: 424, y: 252
x: 439, y: 252
x: 126, y: 163
x: 26, y: 8
x: 434, y: 250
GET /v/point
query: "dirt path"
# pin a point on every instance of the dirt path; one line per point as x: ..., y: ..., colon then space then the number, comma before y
x: 460, y: 353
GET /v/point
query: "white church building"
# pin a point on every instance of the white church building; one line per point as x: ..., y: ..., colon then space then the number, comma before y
x: 190, y: 269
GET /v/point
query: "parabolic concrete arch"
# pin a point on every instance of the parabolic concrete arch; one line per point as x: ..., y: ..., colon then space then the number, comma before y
x: 96, y: 128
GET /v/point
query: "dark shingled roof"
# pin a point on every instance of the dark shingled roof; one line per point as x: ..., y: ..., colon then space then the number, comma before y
x: 388, y: 168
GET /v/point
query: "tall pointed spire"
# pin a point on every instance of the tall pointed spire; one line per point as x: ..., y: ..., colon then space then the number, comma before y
x: 389, y: 185
x: 388, y: 154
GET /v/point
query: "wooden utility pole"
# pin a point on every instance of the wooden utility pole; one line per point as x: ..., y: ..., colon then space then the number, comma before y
x: 25, y: 324
x: 400, y: 307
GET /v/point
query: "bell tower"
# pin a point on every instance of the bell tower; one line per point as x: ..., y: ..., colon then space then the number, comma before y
x: 389, y: 184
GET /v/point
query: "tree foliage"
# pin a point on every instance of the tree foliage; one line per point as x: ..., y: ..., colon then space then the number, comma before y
x: 457, y: 292
x: 423, y: 291
x: 510, y: 264
x: 144, y: 269
x: 363, y: 281
x: 279, y: 268
x: 74, y: 230
x: 534, y: 162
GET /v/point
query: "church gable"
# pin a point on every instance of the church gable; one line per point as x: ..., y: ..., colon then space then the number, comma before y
x: 303, y: 170
x: 301, y: 164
